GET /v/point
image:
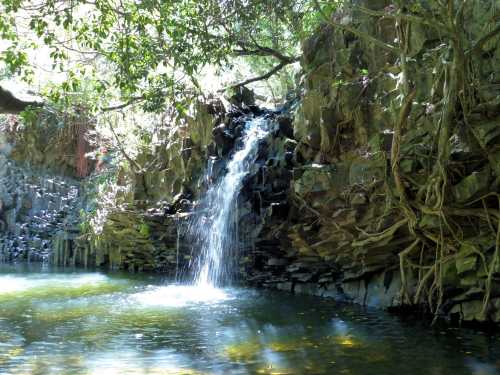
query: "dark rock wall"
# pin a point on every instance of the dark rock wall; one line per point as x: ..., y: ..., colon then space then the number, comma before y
x: 39, y: 213
x: 347, y: 234
x: 42, y: 163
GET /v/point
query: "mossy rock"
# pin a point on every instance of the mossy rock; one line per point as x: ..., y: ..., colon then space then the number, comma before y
x: 488, y: 132
x: 466, y: 264
x: 467, y: 258
x: 450, y: 274
x: 366, y: 171
x: 472, y: 310
x: 320, y: 78
x: 144, y: 230
x: 471, y: 185
x: 429, y: 222
x: 317, y: 178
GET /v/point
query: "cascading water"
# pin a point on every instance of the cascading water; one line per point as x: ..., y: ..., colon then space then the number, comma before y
x: 216, y: 229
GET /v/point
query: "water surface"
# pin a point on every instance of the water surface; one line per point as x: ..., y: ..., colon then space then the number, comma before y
x: 75, y: 322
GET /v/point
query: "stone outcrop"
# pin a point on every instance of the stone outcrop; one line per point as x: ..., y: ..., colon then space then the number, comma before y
x: 135, y: 218
x: 39, y: 212
x: 352, y: 232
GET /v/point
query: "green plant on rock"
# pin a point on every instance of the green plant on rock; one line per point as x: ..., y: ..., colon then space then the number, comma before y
x: 152, y: 51
x: 431, y: 209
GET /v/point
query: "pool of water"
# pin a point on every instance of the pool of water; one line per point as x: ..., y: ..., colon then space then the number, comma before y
x: 75, y: 322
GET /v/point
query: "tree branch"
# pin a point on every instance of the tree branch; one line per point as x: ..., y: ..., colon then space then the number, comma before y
x: 132, y: 162
x: 270, y: 73
x: 117, y: 107
x: 257, y: 50
x: 263, y: 51
x: 10, y: 104
x: 483, y: 40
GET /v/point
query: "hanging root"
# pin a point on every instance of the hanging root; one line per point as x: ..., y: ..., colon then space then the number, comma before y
x: 493, y: 265
x: 396, y: 158
x: 405, y: 299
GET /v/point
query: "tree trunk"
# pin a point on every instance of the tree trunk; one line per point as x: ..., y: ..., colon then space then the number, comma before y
x: 10, y: 104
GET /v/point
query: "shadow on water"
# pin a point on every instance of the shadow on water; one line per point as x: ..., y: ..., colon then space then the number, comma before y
x: 73, y: 322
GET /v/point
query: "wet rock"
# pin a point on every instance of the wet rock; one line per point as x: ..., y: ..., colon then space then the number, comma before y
x: 276, y: 262
x: 223, y: 139
x: 306, y: 288
x: 286, y: 286
x: 469, y: 311
x: 243, y: 96
x: 285, y: 126
x: 355, y: 291
x: 495, y: 315
x: 314, y: 178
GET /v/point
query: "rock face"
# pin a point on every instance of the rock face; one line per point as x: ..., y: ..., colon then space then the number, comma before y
x: 39, y: 213
x: 384, y: 205
x: 136, y: 219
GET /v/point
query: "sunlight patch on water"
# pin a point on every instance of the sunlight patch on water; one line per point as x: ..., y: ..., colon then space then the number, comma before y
x: 180, y: 296
x: 160, y: 362
x: 9, y: 284
x: 23, y: 289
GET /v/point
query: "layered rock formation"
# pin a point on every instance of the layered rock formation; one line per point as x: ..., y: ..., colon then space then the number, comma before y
x: 135, y: 215
x: 395, y: 189
x: 39, y: 210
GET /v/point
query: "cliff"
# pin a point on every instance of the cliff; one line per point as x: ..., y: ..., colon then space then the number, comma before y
x: 394, y: 194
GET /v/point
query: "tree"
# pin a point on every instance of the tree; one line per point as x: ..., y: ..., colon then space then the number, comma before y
x: 155, y: 49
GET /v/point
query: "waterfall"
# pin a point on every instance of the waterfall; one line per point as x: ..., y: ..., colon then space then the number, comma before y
x: 215, y: 230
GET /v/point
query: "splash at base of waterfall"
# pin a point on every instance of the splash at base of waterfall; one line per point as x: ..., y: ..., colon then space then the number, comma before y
x: 180, y: 296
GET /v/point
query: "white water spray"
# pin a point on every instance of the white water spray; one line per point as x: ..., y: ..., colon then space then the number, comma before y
x: 216, y: 231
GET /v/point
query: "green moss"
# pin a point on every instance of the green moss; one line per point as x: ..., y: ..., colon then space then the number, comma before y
x: 243, y: 352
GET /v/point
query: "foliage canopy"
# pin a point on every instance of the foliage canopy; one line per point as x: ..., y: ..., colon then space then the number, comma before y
x: 152, y: 49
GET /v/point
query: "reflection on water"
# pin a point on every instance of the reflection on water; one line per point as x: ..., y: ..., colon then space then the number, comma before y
x: 93, y: 323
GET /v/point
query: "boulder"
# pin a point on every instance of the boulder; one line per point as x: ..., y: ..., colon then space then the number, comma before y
x: 319, y: 178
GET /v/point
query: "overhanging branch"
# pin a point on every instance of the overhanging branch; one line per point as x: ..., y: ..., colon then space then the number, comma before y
x: 257, y: 50
x: 123, y: 105
x: 10, y: 104
x: 137, y: 168
x: 262, y: 77
x: 483, y: 40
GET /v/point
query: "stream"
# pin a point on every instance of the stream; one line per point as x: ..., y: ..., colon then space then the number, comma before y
x: 55, y: 321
